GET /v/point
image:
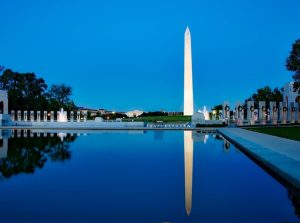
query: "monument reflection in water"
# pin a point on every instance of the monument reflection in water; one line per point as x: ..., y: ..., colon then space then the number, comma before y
x: 188, y: 170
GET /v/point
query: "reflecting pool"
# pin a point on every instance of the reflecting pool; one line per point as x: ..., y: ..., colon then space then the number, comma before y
x: 159, y: 176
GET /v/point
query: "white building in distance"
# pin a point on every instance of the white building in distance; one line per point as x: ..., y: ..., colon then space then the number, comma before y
x: 134, y: 113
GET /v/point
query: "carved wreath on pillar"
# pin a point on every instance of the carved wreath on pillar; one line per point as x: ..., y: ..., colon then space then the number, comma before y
x: 263, y: 108
x: 284, y: 108
x: 226, y: 108
x: 275, y: 109
x: 252, y: 108
x: 240, y: 108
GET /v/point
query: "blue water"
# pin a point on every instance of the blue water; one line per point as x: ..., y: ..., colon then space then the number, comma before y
x: 136, y: 176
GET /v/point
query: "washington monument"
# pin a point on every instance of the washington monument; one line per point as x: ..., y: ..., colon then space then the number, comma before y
x: 188, y: 76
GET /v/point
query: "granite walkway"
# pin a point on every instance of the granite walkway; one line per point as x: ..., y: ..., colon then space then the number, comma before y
x: 280, y: 155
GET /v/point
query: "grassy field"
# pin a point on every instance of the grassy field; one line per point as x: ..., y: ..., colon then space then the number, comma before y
x: 161, y: 119
x: 285, y: 132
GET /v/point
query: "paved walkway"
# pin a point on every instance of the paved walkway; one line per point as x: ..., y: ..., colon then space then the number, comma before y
x: 281, y: 155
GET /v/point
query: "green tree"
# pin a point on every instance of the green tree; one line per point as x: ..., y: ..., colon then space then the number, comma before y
x: 59, y: 96
x: 267, y: 94
x: 293, y: 64
x: 25, y: 90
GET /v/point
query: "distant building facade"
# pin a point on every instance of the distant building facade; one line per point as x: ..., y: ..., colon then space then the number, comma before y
x: 134, y: 113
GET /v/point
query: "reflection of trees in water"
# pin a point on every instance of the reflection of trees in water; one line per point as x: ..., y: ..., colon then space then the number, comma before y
x: 26, y: 154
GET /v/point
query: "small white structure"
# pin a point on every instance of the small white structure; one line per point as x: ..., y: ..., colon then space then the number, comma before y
x: 134, y: 113
x: 98, y: 119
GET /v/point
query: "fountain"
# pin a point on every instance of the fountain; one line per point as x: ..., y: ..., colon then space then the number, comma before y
x: 205, y: 113
x: 62, y: 116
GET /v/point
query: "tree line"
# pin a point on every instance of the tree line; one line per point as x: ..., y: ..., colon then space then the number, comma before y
x: 26, y: 91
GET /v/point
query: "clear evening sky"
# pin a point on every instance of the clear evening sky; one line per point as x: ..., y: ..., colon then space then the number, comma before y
x: 124, y: 55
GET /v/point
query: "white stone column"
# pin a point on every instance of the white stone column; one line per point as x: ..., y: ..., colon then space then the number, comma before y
x: 78, y: 116
x: 31, y: 134
x: 45, y: 116
x: 226, y: 111
x: 72, y: 116
x: 283, y: 112
x: 239, y: 113
x: 38, y: 116
x: 250, y: 112
x: 292, y: 112
x: 32, y: 116
x: 273, y: 112
x: 12, y: 115
x: 19, y: 118
x: 52, y: 116
x: 25, y: 116
x: 262, y: 112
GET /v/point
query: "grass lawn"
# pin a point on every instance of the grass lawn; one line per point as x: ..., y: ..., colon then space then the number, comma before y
x: 161, y: 119
x: 285, y: 132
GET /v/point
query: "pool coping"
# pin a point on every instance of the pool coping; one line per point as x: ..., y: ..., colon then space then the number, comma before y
x: 286, y: 168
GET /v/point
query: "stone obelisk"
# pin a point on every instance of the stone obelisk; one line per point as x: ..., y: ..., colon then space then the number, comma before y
x: 188, y: 76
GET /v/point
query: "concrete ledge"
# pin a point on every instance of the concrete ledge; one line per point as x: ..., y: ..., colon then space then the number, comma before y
x: 281, y: 156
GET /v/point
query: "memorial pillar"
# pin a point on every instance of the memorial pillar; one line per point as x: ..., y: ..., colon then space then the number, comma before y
x: 52, y: 116
x: 19, y: 116
x: 32, y: 116
x: 78, y: 116
x: 38, y: 116
x: 262, y: 112
x: 273, y: 112
x: 239, y: 113
x: 72, y: 116
x: 292, y: 112
x: 12, y: 115
x: 25, y: 116
x: 45, y: 116
x: 250, y: 112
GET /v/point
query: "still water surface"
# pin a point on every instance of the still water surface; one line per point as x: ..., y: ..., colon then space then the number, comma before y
x: 160, y: 176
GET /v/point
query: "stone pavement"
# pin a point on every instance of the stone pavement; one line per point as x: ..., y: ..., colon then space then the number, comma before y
x: 280, y: 155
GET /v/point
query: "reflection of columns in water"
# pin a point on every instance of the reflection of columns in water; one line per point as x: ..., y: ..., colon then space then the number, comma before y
x: 3, y: 145
x: 188, y: 170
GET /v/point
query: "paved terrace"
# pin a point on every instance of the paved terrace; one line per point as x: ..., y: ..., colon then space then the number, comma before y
x: 280, y: 155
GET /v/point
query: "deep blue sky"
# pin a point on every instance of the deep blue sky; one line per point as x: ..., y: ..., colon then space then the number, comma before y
x: 124, y: 55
